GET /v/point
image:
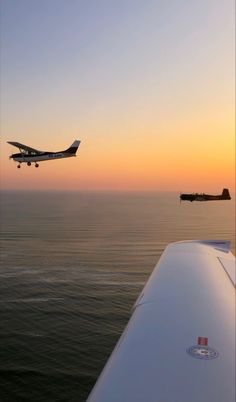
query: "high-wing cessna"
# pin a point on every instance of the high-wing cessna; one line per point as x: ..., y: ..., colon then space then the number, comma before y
x: 206, y: 197
x: 30, y: 155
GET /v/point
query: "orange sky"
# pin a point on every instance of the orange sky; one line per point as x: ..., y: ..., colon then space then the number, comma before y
x: 183, y: 162
x: 148, y: 89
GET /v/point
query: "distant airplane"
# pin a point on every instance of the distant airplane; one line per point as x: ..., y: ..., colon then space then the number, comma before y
x: 206, y: 197
x: 29, y: 155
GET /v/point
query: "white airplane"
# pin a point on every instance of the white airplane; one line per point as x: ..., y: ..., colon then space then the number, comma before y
x: 179, y: 345
x: 29, y: 155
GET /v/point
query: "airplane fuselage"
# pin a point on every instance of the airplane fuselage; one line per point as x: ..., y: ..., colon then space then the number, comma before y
x: 202, y: 197
x: 45, y: 156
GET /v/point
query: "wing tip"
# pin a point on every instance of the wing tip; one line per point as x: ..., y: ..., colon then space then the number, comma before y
x: 222, y: 245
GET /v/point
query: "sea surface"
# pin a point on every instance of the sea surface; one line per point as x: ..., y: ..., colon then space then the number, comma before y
x: 72, y: 266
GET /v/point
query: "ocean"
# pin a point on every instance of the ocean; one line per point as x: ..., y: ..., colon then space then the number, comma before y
x: 72, y: 265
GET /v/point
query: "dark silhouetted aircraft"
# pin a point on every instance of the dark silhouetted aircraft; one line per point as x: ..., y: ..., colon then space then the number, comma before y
x: 206, y: 197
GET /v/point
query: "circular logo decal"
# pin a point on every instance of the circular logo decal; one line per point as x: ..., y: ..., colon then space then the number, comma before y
x: 202, y: 352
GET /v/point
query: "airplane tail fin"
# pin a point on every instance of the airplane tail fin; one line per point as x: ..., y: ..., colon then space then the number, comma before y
x: 225, y: 194
x: 73, y: 148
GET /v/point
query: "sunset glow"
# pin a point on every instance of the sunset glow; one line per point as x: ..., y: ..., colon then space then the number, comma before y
x: 147, y: 88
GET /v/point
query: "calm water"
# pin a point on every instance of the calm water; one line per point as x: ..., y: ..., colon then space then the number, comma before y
x: 72, y: 265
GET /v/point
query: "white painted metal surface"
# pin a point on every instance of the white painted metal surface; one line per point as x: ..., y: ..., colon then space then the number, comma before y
x: 179, y: 345
x: 41, y: 158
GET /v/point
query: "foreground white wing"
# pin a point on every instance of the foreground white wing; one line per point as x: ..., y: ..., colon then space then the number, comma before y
x: 179, y: 345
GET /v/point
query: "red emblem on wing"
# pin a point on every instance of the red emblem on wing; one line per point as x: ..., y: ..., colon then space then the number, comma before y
x: 202, y: 341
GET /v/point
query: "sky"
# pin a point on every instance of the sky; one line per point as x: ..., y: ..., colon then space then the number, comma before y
x: 147, y: 86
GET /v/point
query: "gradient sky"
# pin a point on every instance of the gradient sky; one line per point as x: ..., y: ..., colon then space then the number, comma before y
x: 147, y: 86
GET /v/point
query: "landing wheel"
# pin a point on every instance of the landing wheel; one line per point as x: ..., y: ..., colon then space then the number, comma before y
x: 18, y: 166
x: 36, y: 165
x: 28, y: 163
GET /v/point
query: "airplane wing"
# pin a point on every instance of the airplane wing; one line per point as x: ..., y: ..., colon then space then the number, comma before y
x: 179, y: 344
x: 24, y: 147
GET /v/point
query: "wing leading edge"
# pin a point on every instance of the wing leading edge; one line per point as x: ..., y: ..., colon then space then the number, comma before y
x: 179, y: 343
x: 24, y: 147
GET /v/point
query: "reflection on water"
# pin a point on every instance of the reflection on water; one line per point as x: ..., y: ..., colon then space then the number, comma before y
x: 72, y: 265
